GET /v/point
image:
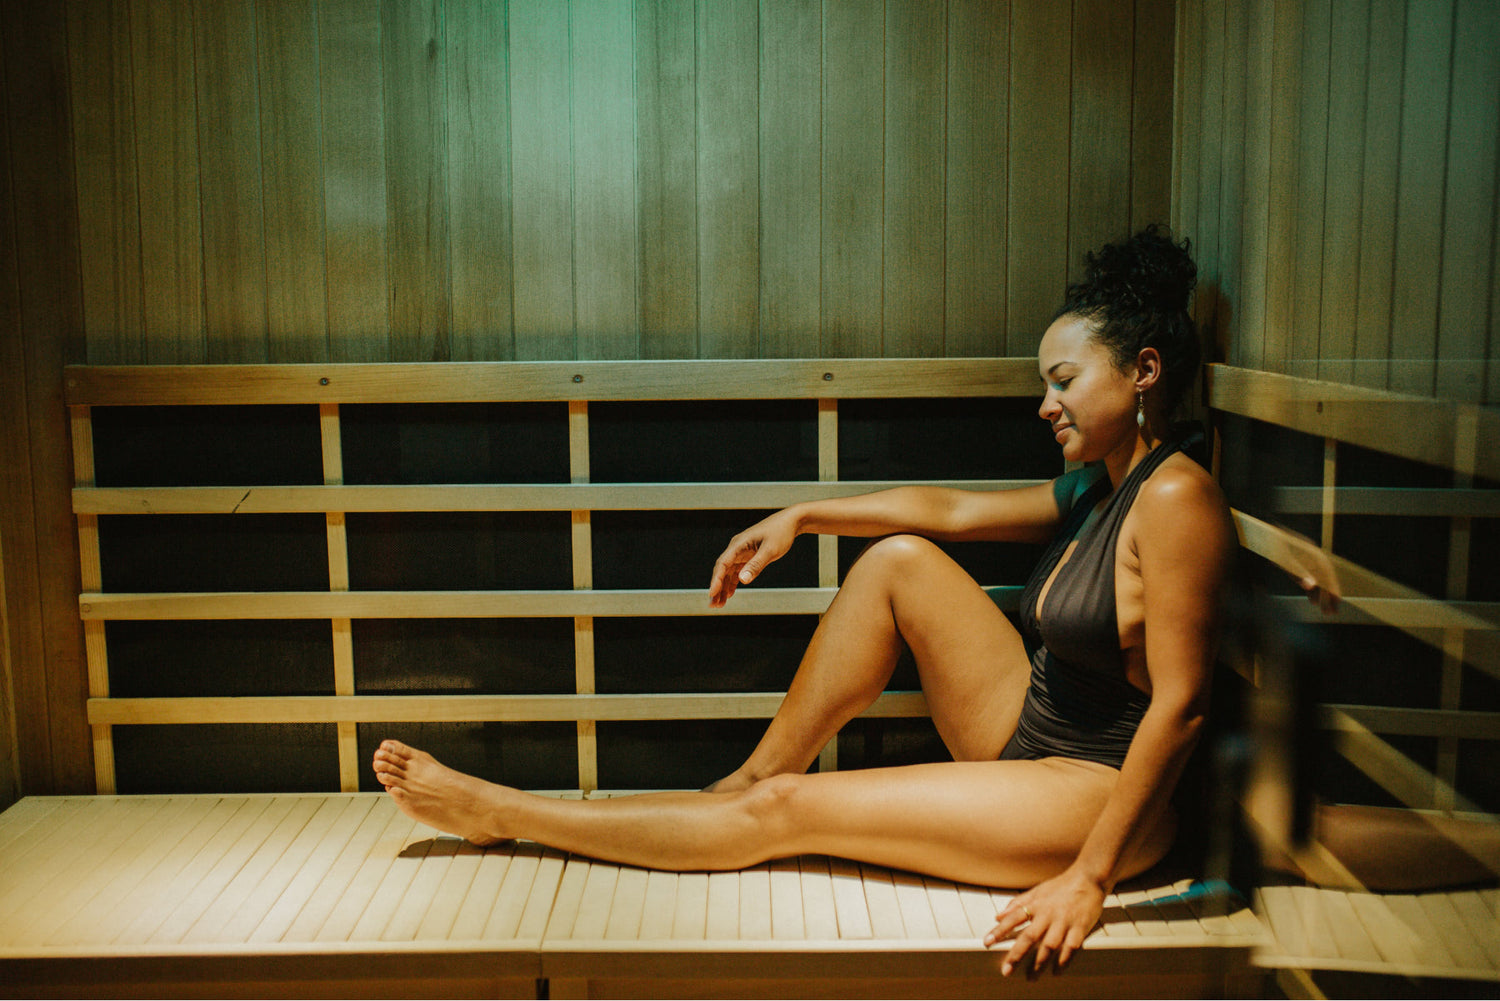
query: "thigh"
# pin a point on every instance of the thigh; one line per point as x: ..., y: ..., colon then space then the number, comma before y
x: 996, y: 823
x: 971, y: 661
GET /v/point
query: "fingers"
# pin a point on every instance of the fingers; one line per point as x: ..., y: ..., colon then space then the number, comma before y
x: 1051, y: 940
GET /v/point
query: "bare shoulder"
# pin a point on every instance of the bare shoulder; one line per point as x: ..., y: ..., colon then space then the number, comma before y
x: 1180, y: 502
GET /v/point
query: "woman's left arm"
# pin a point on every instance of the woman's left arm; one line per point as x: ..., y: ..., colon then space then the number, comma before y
x: 1184, y: 542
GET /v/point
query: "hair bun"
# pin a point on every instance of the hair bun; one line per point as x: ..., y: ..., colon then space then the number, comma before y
x: 1146, y: 272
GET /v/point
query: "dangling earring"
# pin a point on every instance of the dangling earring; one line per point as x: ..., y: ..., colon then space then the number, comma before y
x: 1140, y: 410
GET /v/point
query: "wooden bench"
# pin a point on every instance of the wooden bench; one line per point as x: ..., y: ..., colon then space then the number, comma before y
x: 340, y: 895
x: 335, y: 893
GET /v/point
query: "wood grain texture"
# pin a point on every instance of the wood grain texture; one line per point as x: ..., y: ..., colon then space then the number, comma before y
x: 229, y: 149
x: 352, y: 95
x: 1040, y: 162
x: 1468, y: 236
x: 292, y: 172
x: 604, y: 215
x: 1423, y: 166
x: 666, y: 87
x: 975, y: 264
x: 542, y: 181
x: 414, y: 61
x: 728, y: 180
x: 164, y: 89
x: 1377, y: 234
x: 50, y: 333
x: 1098, y: 180
x: 791, y: 193
x: 104, y: 137
x: 915, y: 217
x: 853, y: 177
x: 1350, y: 28
x: 479, y: 180
x: 23, y: 696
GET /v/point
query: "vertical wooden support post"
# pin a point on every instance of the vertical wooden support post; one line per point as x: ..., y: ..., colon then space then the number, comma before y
x: 338, y: 580
x: 1330, y: 487
x: 91, y: 577
x: 828, y: 545
x: 583, y: 580
x: 1450, y: 690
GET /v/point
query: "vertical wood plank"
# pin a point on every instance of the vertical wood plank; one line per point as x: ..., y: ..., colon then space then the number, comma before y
x: 1232, y: 185
x: 1151, y: 113
x: 583, y: 579
x: 23, y: 700
x: 414, y: 61
x: 479, y: 188
x: 1188, y: 120
x: 828, y: 545
x: 975, y: 262
x: 1040, y: 115
x: 1377, y: 231
x: 234, y: 246
x: 352, y: 91
x: 104, y: 157
x: 50, y: 335
x: 1210, y: 173
x: 1341, y: 207
x: 853, y: 143
x: 332, y: 439
x: 541, y: 182
x: 1312, y: 148
x: 1419, y: 207
x: 916, y: 53
x: 791, y: 207
x: 1098, y: 174
x: 291, y: 165
x: 167, y: 171
x: 1468, y: 223
x: 1250, y: 342
x: 667, y: 183
x: 729, y: 179
x: 1281, y: 228
x: 604, y: 236
x: 91, y: 578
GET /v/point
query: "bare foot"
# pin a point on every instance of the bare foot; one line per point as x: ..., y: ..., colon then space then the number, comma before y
x: 436, y: 795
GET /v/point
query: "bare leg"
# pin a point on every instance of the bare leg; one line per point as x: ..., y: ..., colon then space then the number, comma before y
x: 904, y: 591
x: 1002, y: 823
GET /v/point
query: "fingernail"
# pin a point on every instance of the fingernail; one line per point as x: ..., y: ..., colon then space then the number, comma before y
x: 744, y: 576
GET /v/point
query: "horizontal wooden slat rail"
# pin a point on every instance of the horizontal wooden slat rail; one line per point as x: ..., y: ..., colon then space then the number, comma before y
x: 468, y: 708
x: 1394, y: 501
x: 459, y: 604
x: 1411, y: 427
x: 1379, y: 597
x: 749, y: 495
x: 594, y: 381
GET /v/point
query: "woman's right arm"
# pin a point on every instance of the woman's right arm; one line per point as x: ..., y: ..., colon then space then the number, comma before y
x: 1025, y: 514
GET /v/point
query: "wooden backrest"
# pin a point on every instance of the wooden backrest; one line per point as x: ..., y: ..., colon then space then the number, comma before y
x: 577, y: 384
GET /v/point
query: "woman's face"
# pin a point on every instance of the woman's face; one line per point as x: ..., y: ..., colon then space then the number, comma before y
x: 1089, y: 402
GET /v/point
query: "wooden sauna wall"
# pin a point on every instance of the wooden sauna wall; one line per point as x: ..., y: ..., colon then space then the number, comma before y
x: 346, y: 180
x: 1335, y: 165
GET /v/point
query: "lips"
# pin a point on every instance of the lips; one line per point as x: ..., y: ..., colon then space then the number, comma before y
x: 1058, y: 429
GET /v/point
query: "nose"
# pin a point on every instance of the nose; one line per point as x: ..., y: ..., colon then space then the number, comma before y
x: 1049, y: 408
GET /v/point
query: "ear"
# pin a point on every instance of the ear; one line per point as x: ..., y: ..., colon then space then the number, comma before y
x: 1148, y: 369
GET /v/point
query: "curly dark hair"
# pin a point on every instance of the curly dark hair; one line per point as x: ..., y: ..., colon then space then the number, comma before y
x: 1135, y: 294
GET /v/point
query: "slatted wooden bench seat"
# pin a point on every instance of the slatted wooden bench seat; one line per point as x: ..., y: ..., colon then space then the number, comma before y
x: 340, y: 895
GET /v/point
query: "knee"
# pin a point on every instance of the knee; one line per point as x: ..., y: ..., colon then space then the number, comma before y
x: 897, y: 554
x: 770, y: 806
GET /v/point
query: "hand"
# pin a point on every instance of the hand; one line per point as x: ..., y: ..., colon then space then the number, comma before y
x: 749, y: 553
x: 1054, y: 917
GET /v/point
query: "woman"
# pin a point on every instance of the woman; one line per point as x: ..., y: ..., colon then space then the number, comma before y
x: 1060, y: 785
